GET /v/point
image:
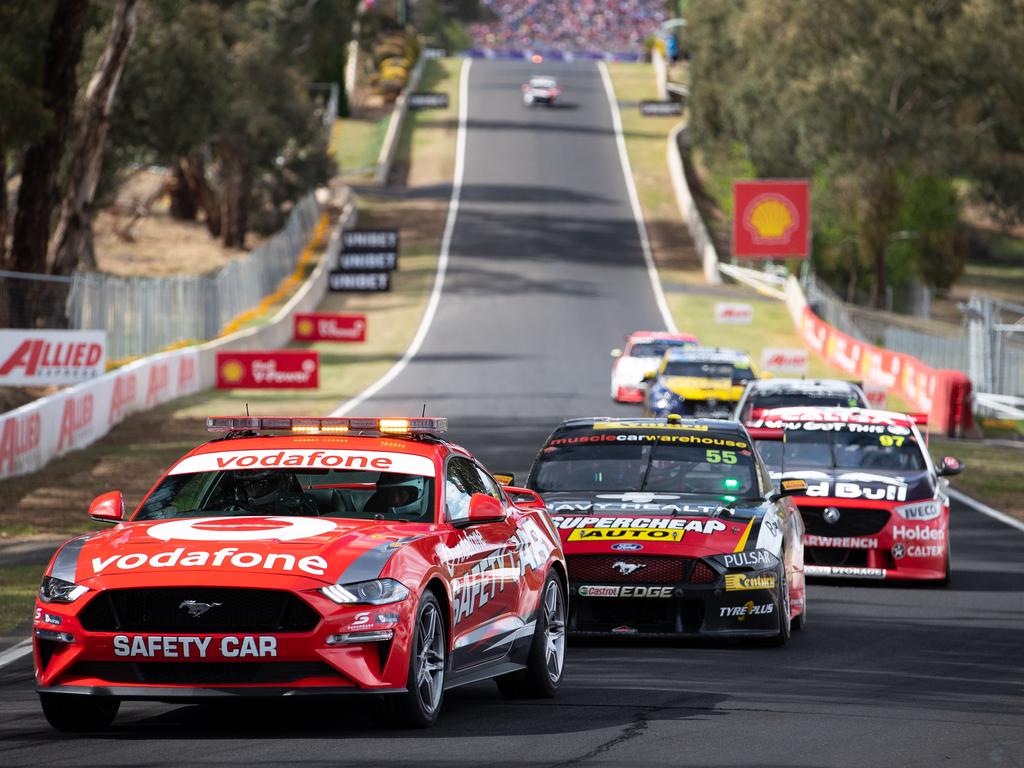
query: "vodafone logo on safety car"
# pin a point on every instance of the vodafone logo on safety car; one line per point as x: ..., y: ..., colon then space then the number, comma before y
x: 305, y: 458
x: 242, y: 529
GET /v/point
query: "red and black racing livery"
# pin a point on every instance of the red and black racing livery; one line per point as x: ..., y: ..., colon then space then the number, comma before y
x: 337, y: 556
x: 875, y: 506
x: 671, y: 526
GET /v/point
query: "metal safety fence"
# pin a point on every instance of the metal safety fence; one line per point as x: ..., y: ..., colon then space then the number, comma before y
x: 142, y: 315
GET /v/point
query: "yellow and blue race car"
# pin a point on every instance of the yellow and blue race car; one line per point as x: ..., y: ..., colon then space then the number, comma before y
x: 702, y: 381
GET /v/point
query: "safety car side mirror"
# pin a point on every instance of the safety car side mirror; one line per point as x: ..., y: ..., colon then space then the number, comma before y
x: 482, y: 509
x: 108, y: 507
x: 616, y: 352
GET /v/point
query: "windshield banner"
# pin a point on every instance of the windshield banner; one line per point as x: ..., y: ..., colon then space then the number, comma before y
x: 299, y: 459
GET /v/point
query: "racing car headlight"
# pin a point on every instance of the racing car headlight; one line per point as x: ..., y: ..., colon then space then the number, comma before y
x: 921, y: 510
x: 54, y: 590
x: 667, y: 398
x: 755, y: 559
x: 376, y: 592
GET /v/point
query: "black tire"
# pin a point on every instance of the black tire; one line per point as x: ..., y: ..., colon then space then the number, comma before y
x: 545, y: 663
x: 420, y: 705
x: 800, y: 621
x: 785, y: 625
x: 79, y: 713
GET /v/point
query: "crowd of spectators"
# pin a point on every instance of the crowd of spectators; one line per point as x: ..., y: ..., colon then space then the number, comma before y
x: 578, y: 26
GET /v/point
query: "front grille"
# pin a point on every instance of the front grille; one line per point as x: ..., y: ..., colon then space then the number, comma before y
x: 162, y: 610
x: 605, y: 615
x: 202, y: 673
x: 856, y: 558
x: 655, y: 570
x: 851, y: 522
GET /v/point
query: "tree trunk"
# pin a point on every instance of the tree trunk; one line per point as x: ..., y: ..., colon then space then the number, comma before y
x: 194, y: 169
x: 72, y: 238
x: 183, y: 199
x: 38, y: 192
x: 3, y: 207
x: 234, y: 203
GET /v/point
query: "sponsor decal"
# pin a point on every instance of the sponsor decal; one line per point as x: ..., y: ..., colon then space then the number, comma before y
x: 649, y: 438
x: 626, y: 546
x: 752, y: 559
x: 627, y: 568
x: 359, y: 282
x: 605, y: 534
x: 727, y: 313
x: 841, y: 542
x: 913, y: 533
x: 39, y: 358
x: 769, y: 535
x: 784, y: 361
x: 369, y: 240
x: 846, y: 490
x: 925, y: 510
x: 901, y: 550
x: 77, y: 418
x: 280, y: 369
x: 241, y: 529
x: 750, y: 608
x: 428, y: 100
x: 739, y: 582
x: 877, y: 395
x: 19, y: 442
x: 226, y: 557
x: 772, y: 218
x: 660, y: 108
x: 125, y: 390
x: 194, y: 646
x: 629, y: 590
x: 843, y: 571
x: 159, y: 384
x: 623, y: 424
x: 374, y: 261
x: 624, y: 630
x: 306, y: 457
x: 316, y: 326
x: 646, y: 524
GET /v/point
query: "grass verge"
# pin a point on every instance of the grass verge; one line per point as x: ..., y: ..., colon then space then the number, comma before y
x: 992, y: 472
x: 18, y: 585
x: 356, y: 143
x: 135, y: 452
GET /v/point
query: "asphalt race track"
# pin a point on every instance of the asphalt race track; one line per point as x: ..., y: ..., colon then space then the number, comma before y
x: 546, y: 275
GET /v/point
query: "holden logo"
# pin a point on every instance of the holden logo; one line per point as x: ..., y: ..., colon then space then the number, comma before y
x: 898, y: 551
x: 627, y: 568
x: 196, y: 609
x: 831, y: 515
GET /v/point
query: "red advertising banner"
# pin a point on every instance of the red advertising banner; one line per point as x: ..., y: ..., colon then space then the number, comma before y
x: 771, y: 219
x: 313, y: 326
x: 272, y: 369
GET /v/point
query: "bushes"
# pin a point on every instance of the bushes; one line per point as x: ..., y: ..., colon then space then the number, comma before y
x: 395, y: 53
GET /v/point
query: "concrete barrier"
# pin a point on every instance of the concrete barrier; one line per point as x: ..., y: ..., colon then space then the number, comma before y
x: 386, y: 157
x: 688, y: 208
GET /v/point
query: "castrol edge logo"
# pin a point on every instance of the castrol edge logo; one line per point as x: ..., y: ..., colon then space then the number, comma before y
x: 299, y: 459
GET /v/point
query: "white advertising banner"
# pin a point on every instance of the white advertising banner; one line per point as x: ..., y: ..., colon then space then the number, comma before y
x: 34, y: 358
x: 784, y: 361
x: 730, y: 313
x: 44, y: 429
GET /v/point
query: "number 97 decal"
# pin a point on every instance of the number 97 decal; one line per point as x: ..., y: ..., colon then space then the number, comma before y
x: 891, y: 440
x: 715, y: 456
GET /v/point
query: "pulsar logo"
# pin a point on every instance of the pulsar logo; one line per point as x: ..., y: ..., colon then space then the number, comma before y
x: 831, y: 515
x: 627, y: 568
x: 196, y: 609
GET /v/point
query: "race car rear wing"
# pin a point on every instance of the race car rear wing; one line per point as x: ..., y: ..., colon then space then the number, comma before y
x: 767, y: 433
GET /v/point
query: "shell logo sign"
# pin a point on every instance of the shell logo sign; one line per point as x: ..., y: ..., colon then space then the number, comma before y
x: 272, y: 369
x: 771, y: 219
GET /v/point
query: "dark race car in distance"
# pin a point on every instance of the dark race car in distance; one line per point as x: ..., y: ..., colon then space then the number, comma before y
x: 762, y: 394
x: 672, y: 527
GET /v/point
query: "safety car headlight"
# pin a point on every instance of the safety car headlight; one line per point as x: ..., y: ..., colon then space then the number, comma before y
x: 54, y: 590
x: 921, y: 510
x: 754, y: 559
x: 376, y: 592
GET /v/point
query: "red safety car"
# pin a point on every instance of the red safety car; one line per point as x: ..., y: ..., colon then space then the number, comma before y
x: 875, y: 506
x: 305, y: 556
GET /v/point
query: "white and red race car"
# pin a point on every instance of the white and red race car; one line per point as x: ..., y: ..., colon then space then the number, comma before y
x: 642, y: 354
x: 541, y: 90
x: 876, y: 505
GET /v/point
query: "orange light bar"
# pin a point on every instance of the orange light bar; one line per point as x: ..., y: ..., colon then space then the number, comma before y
x: 327, y: 425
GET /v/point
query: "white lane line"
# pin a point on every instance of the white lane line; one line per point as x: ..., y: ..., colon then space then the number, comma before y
x: 15, y: 652
x: 985, y: 509
x: 634, y: 201
x: 442, y: 262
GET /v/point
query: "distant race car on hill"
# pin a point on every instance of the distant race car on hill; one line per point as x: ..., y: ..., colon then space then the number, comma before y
x: 305, y: 556
x: 672, y: 526
x: 875, y: 506
x: 541, y: 90
x: 698, y: 382
x: 762, y: 394
x: 642, y: 353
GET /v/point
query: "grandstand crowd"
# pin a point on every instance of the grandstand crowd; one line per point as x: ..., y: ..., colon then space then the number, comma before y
x: 594, y: 26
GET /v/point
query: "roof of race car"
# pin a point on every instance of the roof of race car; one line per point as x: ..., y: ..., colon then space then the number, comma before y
x: 839, y: 415
x: 670, y: 423
x: 803, y: 386
x: 639, y: 336
x: 707, y: 355
x: 416, y: 446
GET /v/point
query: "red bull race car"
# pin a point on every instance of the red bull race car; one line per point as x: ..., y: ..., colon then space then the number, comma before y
x: 672, y: 526
x: 299, y: 557
x: 875, y: 506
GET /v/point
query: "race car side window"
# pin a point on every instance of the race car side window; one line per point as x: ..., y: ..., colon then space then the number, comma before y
x: 462, y: 480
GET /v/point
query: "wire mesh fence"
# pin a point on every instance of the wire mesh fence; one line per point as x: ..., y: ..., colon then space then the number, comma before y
x: 142, y: 315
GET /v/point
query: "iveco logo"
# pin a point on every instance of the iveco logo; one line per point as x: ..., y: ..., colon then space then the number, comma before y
x: 196, y: 609
x: 627, y: 568
x: 831, y: 515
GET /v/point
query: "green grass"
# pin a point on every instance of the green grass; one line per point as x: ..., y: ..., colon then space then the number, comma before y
x: 992, y: 472
x: 356, y: 143
x: 18, y: 585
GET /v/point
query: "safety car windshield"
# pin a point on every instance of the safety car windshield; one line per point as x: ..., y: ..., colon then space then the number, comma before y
x: 840, y: 448
x: 364, y: 495
x: 738, y: 374
x: 722, y: 467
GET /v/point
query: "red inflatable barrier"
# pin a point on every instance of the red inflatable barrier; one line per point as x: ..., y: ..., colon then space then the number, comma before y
x: 945, y: 395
